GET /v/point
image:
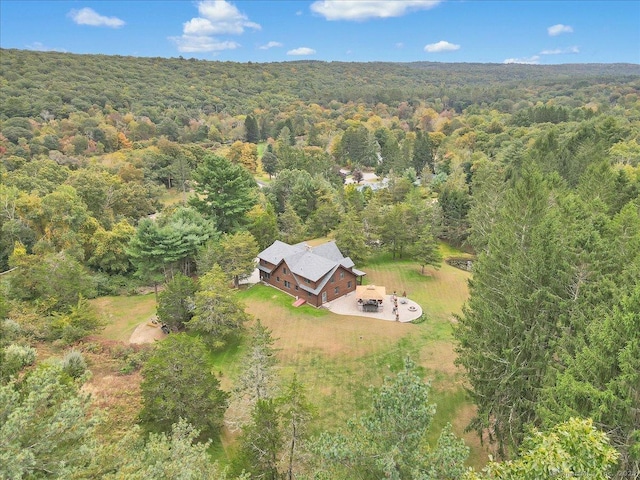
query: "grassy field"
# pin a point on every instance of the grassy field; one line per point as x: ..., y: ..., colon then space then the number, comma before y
x: 124, y: 314
x: 339, y: 358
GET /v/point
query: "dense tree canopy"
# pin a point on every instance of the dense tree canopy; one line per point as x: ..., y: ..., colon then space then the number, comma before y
x: 534, y: 169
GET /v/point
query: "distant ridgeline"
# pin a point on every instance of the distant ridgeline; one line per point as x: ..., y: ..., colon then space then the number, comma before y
x: 61, y: 83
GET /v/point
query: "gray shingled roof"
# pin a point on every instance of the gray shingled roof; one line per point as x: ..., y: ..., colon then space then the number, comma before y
x: 309, y: 265
x: 304, y: 261
x: 278, y: 250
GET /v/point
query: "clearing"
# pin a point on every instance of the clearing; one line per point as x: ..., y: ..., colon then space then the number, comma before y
x: 339, y: 357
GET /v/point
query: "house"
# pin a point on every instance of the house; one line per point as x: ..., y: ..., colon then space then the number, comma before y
x: 316, y: 274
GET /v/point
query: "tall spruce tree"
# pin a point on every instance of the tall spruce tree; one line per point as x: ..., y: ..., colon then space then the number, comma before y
x: 509, y: 328
x: 602, y: 382
x: 252, y: 132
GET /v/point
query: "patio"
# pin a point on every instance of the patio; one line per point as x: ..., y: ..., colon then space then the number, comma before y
x: 408, y: 310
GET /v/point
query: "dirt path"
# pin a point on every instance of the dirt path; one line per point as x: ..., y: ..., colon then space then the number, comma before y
x: 145, y: 333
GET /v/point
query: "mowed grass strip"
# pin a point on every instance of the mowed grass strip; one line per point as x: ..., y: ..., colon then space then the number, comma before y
x: 123, y: 314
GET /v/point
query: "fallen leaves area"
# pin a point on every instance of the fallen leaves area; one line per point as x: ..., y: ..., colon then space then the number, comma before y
x: 114, y: 383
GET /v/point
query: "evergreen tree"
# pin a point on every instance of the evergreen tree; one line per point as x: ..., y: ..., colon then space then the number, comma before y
x: 351, y: 238
x: 252, y: 132
x: 487, y: 194
x: 423, y: 153
x: 602, y: 382
x: 426, y: 250
x: 178, y: 384
x: 388, y: 440
x: 261, y: 442
x: 217, y: 312
x: 296, y: 413
x: 176, y: 302
x: 225, y: 192
x: 171, y: 455
x: 510, y: 326
x: 45, y: 427
x: 257, y: 381
x: 270, y: 163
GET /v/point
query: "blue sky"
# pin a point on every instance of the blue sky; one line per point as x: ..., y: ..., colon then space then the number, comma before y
x: 540, y: 32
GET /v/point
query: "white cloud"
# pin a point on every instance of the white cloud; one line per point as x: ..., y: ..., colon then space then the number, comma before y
x: 298, y: 13
x: 88, y: 16
x: 441, y: 46
x: 399, y: 45
x: 217, y: 17
x: 198, y: 26
x: 301, y: 51
x: 199, y: 43
x: 270, y: 45
x: 221, y: 17
x: 534, y: 60
x: 366, y: 9
x: 560, y: 51
x: 558, y: 29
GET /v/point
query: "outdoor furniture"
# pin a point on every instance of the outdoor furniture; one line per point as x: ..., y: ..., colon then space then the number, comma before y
x: 370, y: 306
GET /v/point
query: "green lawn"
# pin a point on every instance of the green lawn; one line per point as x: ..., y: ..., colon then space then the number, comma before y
x: 339, y: 358
x: 123, y: 314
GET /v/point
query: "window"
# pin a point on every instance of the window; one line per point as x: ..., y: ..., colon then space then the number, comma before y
x: 341, y: 275
x: 277, y: 279
x: 287, y: 284
x: 267, y: 276
x: 307, y: 280
x: 284, y: 270
x: 349, y: 284
x: 297, y: 287
x: 332, y: 279
x: 336, y: 290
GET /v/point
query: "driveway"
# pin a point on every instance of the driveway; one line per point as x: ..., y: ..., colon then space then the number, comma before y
x: 347, y: 305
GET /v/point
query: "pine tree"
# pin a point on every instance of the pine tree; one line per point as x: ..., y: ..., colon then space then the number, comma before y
x: 252, y: 132
x: 509, y: 329
x: 224, y: 192
x: 178, y: 384
x: 217, y: 312
x: 426, y: 250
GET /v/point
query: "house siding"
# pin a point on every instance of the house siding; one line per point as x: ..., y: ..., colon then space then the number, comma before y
x: 340, y: 283
x: 287, y: 282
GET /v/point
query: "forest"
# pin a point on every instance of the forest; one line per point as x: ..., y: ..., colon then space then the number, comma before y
x: 160, y: 179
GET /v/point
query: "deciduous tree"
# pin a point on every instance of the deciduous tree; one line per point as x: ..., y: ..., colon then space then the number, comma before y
x: 574, y: 449
x: 236, y: 254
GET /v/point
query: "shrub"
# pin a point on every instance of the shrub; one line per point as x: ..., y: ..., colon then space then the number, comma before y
x: 15, y: 358
x: 74, y: 364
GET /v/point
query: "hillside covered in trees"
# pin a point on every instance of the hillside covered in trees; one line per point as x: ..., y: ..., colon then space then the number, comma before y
x: 121, y: 173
